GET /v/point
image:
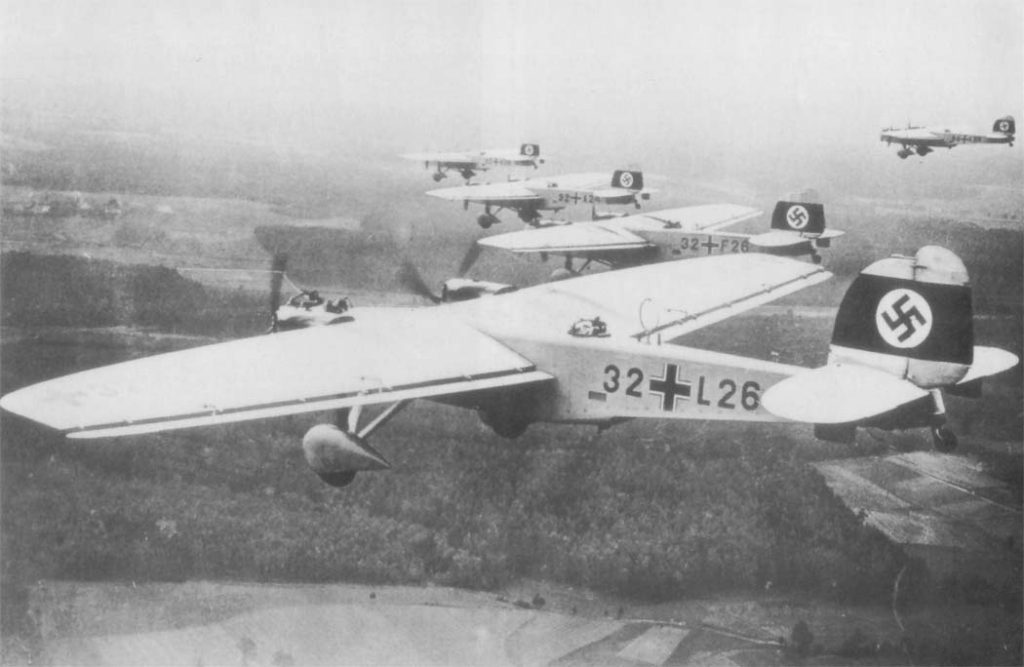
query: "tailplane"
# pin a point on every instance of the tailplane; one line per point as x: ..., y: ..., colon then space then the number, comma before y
x: 630, y: 180
x: 797, y: 228
x: 530, y: 150
x: 1005, y: 125
x: 903, y: 333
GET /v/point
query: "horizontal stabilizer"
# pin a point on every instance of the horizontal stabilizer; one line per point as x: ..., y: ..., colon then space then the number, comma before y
x: 779, y: 239
x: 989, y: 361
x: 839, y: 394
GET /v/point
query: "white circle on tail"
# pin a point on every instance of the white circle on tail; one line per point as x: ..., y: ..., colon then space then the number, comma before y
x: 626, y: 179
x: 797, y: 216
x: 903, y: 318
x: 1004, y: 126
x: 528, y: 149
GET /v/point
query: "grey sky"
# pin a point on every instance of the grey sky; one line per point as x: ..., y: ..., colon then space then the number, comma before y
x: 607, y: 74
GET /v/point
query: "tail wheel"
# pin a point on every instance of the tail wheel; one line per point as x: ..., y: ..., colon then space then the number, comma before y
x: 944, y: 439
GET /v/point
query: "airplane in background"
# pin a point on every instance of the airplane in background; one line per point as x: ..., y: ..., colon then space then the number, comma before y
x: 469, y: 163
x: 924, y: 139
x: 553, y: 193
x: 796, y: 229
x: 583, y: 351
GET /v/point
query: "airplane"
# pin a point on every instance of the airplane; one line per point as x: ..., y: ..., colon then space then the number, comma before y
x: 469, y: 163
x: 923, y: 139
x: 796, y: 229
x: 554, y: 193
x: 904, y: 332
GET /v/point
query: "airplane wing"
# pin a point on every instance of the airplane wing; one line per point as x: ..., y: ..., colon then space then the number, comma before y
x: 384, y: 356
x: 454, y: 159
x: 582, y: 237
x: 703, y: 218
x: 496, y: 194
x: 619, y: 233
x: 665, y: 300
x: 619, y: 195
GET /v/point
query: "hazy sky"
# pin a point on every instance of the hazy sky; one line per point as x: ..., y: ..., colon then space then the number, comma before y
x: 607, y: 74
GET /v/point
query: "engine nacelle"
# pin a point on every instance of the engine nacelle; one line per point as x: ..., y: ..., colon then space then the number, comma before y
x: 336, y: 456
x: 464, y: 289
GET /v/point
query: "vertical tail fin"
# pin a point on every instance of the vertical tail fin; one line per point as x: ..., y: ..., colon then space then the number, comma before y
x: 909, y: 316
x: 630, y: 180
x: 529, y: 150
x: 1005, y: 125
x: 799, y: 217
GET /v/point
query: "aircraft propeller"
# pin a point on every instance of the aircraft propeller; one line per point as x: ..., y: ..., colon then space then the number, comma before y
x: 410, y: 278
x: 277, y: 269
x: 469, y: 259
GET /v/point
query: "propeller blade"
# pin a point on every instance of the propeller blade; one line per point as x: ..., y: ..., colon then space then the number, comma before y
x: 410, y: 278
x: 277, y: 270
x: 472, y: 254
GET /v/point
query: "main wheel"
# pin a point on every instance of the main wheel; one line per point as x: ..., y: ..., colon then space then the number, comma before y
x: 943, y: 439
x: 438, y: 176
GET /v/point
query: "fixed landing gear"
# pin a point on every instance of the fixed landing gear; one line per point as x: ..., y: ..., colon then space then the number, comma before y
x: 336, y: 452
x: 815, y: 257
x: 943, y: 439
x: 904, y: 153
x: 438, y: 175
x: 485, y: 220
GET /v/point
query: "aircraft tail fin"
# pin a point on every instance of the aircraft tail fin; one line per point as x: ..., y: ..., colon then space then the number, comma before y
x: 808, y: 219
x: 529, y: 150
x: 903, y: 333
x: 797, y: 228
x: 1005, y: 125
x: 909, y: 316
x: 630, y: 180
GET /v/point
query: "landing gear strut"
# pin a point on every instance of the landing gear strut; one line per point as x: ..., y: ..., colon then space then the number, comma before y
x: 943, y: 438
x: 336, y: 452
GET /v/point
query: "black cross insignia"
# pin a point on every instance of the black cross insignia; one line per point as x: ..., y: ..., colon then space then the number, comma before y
x: 669, y: 388
x: 709, y: 245
x: 904, y: 318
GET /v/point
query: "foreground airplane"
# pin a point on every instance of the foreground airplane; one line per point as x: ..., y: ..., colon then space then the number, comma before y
x: 554, y: 193
x: 796, y: 229
x: 469, y: 163
x: 924, y: 139
x: 580, y: 351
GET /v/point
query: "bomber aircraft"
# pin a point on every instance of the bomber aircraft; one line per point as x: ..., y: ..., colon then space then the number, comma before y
x: 553, y: 193
x: 583, y: 351
x: 470, y: 162
x: 796, y: 229
x: 924, y: 139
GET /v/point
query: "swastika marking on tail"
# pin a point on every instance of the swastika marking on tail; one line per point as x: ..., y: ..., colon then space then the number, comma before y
x: 903, y: 318
x: 1004, y: 126
x: 528, y: 149
x: 626, y: 179
x: 797, y: 217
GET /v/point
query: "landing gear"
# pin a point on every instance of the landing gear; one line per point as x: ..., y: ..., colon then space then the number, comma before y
x: 943, y: 439
x: 336, y: 452
x: 486, y: 219
x: 923, y: 150
x: 438, y: 175
x: 904, y: 153
x: 815, y: 257
x: 467, y: 173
